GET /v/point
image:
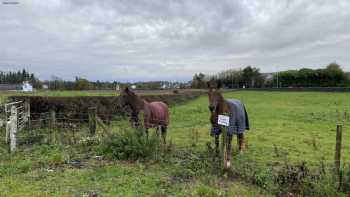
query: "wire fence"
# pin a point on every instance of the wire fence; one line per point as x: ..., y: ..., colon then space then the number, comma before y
x: 71, y: 128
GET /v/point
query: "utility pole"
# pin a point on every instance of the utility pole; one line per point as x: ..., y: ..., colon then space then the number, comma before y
x: 231, y: 80
x: 277, y: 79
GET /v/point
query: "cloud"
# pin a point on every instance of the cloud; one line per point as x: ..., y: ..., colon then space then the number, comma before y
x: 159, y: 39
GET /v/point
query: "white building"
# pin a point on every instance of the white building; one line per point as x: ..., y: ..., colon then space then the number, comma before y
x: 27, y: 87
x: 164, y: 86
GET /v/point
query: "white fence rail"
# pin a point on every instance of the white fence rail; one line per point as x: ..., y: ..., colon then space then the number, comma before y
x: 15, y: 116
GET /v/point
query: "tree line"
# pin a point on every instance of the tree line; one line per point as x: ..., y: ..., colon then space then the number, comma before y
x: 251, y: 77
x: 248, y: 77
x: 80, y: 83
x: 331, y: 76
x: 18, y: 78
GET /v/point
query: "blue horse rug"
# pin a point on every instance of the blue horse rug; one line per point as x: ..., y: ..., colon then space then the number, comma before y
x: 239, y: 121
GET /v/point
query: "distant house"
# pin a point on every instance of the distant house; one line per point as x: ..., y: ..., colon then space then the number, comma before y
x: 27, y: 87
x: 133, y: 87
x: 165, y: 86
x: 267, y: 76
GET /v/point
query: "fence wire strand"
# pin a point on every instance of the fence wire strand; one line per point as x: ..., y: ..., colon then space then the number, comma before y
x: 76, y: 126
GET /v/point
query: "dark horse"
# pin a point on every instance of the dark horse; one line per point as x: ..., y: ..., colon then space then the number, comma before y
x: 238, y: 119
x: 155, y: 114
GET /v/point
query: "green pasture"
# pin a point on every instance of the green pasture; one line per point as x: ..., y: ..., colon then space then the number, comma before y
x: 285, y: 126
x: 300, y: 125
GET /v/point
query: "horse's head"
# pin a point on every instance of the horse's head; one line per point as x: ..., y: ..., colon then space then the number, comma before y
x: 216, y: 101
x: 124, y: 97
x: 214, y: 95
x: 129, y: 100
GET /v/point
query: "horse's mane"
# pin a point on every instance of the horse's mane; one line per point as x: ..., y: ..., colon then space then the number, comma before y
x: 221, y: 106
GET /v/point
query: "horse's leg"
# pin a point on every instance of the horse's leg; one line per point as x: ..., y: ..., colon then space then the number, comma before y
x: 164, y: 131
x: 240, y: 141
x: 228, y: 150
x: 217, y: 141
x: 146, y: 131
x: 157, y: 131
x: 135, y: 119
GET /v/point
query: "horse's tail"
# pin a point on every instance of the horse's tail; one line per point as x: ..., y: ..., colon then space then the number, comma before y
x: 167, y: 115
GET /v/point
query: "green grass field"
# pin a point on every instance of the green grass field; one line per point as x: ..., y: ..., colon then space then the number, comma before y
x: 294, y: 122
x: 293, y: 126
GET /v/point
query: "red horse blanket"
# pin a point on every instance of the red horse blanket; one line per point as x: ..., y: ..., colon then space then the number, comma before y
x: 155, y: 114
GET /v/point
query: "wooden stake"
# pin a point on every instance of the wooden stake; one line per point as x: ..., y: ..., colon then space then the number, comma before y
x: 53, y: 130
x: 92, y: 120
x: 27, y: 112
x: 13, y: 129
x: 338, y: 143
x: 224, y: 146
x: 102, y: 125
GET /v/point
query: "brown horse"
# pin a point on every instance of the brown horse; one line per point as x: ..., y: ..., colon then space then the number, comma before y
x: 238, y: 119
x: 155, y: 114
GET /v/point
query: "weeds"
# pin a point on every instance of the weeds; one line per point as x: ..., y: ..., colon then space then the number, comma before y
x: 130, y: 144
x: 206, y: 191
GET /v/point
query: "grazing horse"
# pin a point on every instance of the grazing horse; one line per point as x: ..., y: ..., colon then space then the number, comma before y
x: 238, y: 119
x: 155, y: 114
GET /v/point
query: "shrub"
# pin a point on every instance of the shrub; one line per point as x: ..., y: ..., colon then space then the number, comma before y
x: 298, y: 180
x: 291, y: 178
x: 131, y: 144
x: 182, y: 174
x: 51, y: 155
x: 87, y: 143
x: 345, y: 179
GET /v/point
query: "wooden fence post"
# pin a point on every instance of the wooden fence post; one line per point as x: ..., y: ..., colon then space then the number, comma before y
x: 92, y: 120
x: 8, y: 128
x: 27, y: 112
x: 223, y: 146
x: 13, y: 129
x: 53, y: 130
x: 338, y: 143
x: 102, y: 125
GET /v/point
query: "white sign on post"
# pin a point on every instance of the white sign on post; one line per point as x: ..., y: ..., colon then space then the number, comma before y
x: 224, y: 120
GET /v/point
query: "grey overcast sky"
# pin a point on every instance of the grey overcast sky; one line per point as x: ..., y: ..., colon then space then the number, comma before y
x: 132, y: 40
